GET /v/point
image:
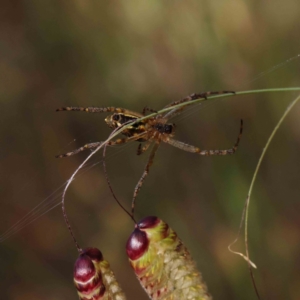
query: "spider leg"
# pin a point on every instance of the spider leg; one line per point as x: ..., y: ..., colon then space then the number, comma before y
x: 85, y: 147
x: 141, y: 149
x: 193, y: 149
x: 177, y: 111
x: 145, y: 173
x: 196, y: 96
x: 97, y: 144
x: 98, y: 110
x: 146, y: 108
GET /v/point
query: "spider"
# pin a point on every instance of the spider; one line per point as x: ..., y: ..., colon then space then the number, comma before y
x: 152, y: 130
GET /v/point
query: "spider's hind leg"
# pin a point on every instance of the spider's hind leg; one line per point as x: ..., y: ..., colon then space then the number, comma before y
x: 194, y: 149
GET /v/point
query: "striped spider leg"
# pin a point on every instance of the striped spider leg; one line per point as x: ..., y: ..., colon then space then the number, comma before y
x: 196, y: 96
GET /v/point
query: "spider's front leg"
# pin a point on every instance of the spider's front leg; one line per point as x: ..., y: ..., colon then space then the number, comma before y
x: 196, y: 96
x: 92, y: 109
x: 85, y: 147
x: 97, y: 144
x: 193, y: 149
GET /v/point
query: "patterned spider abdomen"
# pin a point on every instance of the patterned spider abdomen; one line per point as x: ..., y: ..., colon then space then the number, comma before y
x: 94, y: 279
x: 162, y: 263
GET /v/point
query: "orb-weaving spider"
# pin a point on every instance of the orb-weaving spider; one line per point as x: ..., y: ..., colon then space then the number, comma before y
x: 151, y: 130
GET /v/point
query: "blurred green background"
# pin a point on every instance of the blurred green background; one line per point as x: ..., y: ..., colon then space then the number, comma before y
x: 134, y: 54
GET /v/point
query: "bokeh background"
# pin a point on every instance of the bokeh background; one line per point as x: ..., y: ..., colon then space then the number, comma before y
x: 134, y: 54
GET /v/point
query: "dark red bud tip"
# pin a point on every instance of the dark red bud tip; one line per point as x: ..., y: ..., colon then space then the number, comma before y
x: 148, y: 222
x: 137, y: 244
x: 84, y: 269
x: 94, y: 253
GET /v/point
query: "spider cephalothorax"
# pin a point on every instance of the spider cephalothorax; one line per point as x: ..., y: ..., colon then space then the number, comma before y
x: 150, y: 127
